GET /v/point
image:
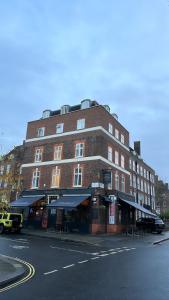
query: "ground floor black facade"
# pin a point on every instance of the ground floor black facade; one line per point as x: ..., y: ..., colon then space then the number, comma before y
x: 91, y: 210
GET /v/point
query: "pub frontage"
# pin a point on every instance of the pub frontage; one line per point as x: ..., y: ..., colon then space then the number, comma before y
x: 89, y: 210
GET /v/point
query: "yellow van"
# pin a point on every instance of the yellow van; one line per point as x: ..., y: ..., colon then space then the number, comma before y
x: 10, y: 222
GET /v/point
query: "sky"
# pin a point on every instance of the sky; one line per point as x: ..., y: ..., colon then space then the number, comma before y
x: 60, y: 52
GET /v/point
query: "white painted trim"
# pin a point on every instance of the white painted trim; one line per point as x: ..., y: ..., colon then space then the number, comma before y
x: 77, y: 132
x: 67, y: 195
x: 75, y: 160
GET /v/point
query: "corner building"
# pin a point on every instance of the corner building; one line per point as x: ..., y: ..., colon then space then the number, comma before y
x: 76, y: 165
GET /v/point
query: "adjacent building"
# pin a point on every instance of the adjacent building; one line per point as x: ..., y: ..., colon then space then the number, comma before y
x: 162, y: 197
x: 142, y: 179
x: 10, y: 178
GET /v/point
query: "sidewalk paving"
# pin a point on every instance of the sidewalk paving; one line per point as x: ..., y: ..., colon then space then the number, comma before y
x: 92, y: 239
x: 10, y: 271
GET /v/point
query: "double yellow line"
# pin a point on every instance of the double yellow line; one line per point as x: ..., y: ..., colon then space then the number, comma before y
x: 31, y: 273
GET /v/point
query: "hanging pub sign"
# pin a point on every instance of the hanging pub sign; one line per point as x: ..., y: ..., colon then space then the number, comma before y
x: 106, y: 176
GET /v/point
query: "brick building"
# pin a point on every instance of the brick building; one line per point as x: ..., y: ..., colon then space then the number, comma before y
x: 162, y: 197
x: 79, y: 153
x: 142, y: 179
x: 10, y: 178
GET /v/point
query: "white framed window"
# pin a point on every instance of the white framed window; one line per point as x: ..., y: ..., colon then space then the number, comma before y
x: 148, y: 188
x: 152, y: 178
x: 147, y: 174
x: 85, y: 104
x: 141, y: 170
x: 122, y: 161
x: 8, y: 167
x: 116, y: 134
x: 35, y: 178
x: 38, y: 154
x: 77, y: 179
x: 130, y: 163
x: 55, y: 177
x: 64, y: 109
x: 58, y: 152
x: 122, y: 183
x: 142, y: 185
x: 110, y: 184
x: 110, y: 128
x: 46, y: 114
x: 145, y: 186
x: 79, y: 150
x: 131, y: 182
x: 59, y: 128
x: 41, y: 131
x: 122, y: 138
x: 2, y: 169
x: 116, y: 157
x: 138, y: 168
x: 144, y: 173
x: 138, y: 183
x: 134, y: 166
x: 134, y: 181
x: 110, y: 153
x: 116, y: 181
x: 80, y: 124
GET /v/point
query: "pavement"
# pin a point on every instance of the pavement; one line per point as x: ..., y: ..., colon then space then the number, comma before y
x: 93, y: 239
x: 10, y: 271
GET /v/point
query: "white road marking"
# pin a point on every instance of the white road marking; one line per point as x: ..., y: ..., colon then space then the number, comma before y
x: 73, y: 250
x: 93, y: 258
x: 68, y: 266
x: 15, y: 240
x: 124, y: 247
x: 111, y: 249
x: 18, y: 247
x: 50, y: 272
x: 104, y: 254
x: 83, y: 261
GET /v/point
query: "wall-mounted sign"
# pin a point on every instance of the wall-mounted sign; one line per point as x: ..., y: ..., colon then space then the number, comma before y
x: 106, y: 177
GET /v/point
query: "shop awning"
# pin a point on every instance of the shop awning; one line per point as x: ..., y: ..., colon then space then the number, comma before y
x: 139, y: 207
x: 68, y: 201
x: 25, y: 201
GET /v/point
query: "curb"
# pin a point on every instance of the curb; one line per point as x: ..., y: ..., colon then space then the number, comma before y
x: 61, y: 239
x: 15, y: 276
x: 160, y: 241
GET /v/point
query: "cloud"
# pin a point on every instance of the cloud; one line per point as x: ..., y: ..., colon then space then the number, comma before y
x: 116, y: 52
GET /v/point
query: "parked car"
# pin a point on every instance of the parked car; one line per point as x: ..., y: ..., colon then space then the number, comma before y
x: 10, y: 222
x: 151, y: 224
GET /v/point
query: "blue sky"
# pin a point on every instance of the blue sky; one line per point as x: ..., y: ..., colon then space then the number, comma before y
x: 60, y: 52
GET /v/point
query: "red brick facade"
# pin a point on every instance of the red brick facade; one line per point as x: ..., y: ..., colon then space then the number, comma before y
x: 96, y: 142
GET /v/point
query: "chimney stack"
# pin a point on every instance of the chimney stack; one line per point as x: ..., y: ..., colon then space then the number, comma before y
x: 137, y: 147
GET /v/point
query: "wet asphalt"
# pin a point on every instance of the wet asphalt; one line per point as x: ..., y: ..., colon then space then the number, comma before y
x: 118, y: 270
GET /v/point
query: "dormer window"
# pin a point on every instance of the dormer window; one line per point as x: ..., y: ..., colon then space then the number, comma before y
x: 85, y: 104
x: 46, y: 114
x: 107, y: 107
x: 64, y: 109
